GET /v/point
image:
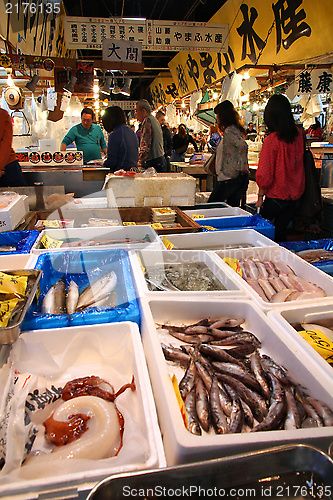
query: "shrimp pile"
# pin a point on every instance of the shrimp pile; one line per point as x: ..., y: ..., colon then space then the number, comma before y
x: 230, y: 387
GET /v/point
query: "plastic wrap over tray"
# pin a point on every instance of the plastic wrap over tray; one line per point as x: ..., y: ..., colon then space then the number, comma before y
x: 40, y: 364
x: 84, y: 267
x: 22, y: 241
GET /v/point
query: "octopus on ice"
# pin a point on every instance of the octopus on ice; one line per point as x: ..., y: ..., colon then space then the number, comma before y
x: 87, y: 424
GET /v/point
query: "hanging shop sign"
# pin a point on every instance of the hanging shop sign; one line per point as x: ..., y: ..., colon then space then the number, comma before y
x: 122, y: 51
x: 261, y: 32
x: 125, y: 105
x: 313, y: 81
x: 85, y: 77
x: 163, y: 91
x: 89, y: 33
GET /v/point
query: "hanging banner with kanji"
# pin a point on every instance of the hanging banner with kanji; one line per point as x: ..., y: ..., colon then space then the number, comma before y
x: 89, y: 33
x: 313, y: 81
x: 163, y: 91
x: 122, y: 51
x: 261, y: 32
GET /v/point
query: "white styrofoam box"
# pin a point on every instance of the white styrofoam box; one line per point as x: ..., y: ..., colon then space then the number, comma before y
x: 100, y: 233
x: 84, y: 203
x: 213, y: 213
x: 12, y: 262
x: 95, y: 350
x: 13, y: 213
x: 277, y: 253
x: 291, y: 313
x: 179, y: 444
x: 141, y: 190
x: 219, y: 240
x: 154, y: 259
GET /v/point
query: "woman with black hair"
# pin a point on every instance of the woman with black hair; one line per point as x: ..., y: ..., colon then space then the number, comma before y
x: 180, y: 143
x: 231, y: 163
x: 280, y: 174
x: 122, y: 143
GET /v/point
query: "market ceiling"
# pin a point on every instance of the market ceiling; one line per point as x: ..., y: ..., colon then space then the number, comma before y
x: 175, y: 10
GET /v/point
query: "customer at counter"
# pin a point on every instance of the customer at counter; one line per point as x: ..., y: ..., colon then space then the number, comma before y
x: 315, y: 131
x: 88, y: 137
x: 167, y: 138
x: 10, y: 169
x: 231, y: 163
x: 280, y: 174
x: 151, y: 151
x: 181, y: 142
x: 122, y: 151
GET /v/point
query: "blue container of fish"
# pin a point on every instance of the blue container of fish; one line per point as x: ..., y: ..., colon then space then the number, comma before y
x: 111, y: 297
x: 319, y: 253
x: 255, y: 222
x: 14, y: 242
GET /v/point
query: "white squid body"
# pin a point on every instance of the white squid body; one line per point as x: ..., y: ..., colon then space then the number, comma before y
x: 100, y: 440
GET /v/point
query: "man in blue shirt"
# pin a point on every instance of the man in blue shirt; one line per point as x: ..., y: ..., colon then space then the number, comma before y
x: 88, y: 137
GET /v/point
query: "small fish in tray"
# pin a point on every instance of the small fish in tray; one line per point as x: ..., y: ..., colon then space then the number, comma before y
x: 63, y: 299
x: 230, y: 387
x: 183, y: 277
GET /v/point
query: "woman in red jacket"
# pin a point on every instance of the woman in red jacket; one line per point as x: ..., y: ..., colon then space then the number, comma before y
x: 280, y: 174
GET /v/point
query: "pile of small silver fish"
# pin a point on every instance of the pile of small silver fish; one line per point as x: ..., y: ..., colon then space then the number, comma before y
x: 316, y: 254
x: 100, y: 293
x: 183, y: 277
x: 230, y: 387
x: 277, y: 282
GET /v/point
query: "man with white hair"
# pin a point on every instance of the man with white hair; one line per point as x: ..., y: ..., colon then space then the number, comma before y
x: 151, y: 151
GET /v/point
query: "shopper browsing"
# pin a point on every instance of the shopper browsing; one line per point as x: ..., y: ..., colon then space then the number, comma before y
x: 151, y: 151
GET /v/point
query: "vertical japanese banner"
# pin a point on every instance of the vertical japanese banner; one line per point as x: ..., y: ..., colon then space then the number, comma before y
x: 85, y: 77
x: 163, y: 91
x: 277, y: 32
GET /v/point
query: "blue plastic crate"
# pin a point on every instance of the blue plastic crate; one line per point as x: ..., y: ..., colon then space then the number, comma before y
x: 325, y: 244
x: 21, y: 240
x: 84, y: 267
x: 255, y: 222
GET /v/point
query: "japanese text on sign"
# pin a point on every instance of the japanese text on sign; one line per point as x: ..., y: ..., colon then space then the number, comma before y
x: 154, y: 35
x: 122, y: 51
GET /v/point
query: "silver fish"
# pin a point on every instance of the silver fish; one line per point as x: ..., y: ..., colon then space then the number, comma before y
x: 175, y: 354
x: 97, y: 290
x: 293, y: 420
x: 192, y: 418
x: 259, y: 373
x: 202, y: 405
x: 54, y: 300
x: 187, y: 382
x: 239, y: 372
x: 276, y: 410
x: 237, y: 417
x: 72, y: 297
x: 218, y: 417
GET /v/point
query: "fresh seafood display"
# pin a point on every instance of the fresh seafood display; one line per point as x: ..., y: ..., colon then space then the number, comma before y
x: 182, y: 277
x: 62, y: 299
x: 275, y: 281
x: 229, y: 386
x: 86, y: 425
x: 315, y: 255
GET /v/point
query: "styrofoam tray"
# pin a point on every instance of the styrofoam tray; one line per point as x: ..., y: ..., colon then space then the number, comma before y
x: 292, y: 313
x: 87, y: 202
x: 180, y: 445
x: 210, y: 213
x: 100, y: 233
x: 18, y: 261
x: 117, y: 341
x: 219, y: 240
x: 298, y: 265
x: 149, y: 260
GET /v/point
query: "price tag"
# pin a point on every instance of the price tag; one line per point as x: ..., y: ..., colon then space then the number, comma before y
x: 129, y: 223
x: 143, y: 269
x: 157, y: 225
x: 322, y: 344
x: 6, y: 309
x: 234, y: 264
x: 198, y: 216
x: 210, y: 228
x: 49, y: 242
x: 168, y: 245
x: 51, y: 223
x: 180, y: 401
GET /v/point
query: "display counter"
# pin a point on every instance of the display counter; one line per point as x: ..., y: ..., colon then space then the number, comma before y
x: 80, y: 180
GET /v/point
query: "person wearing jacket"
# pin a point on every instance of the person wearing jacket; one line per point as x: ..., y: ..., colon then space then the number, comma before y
x: 231, y: 163
x: 167, y: 138
x: 280, y: 175
x: 180, y: 143
x: 151, y: 151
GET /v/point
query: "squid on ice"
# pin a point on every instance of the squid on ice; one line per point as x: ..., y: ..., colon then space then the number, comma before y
x: 86, y: 425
